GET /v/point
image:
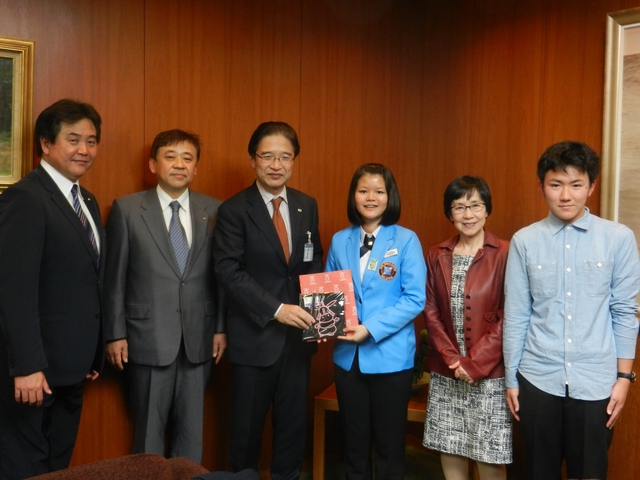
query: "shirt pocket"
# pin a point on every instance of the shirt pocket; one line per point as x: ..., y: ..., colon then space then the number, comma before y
x: 596, y: 277
x: 543, y: 279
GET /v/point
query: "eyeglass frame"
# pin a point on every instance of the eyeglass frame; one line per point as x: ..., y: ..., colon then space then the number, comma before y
x: 284, y: 158
x: 461, y: 209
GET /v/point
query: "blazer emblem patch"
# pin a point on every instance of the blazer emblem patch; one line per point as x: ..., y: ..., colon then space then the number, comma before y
x: 387, y: 271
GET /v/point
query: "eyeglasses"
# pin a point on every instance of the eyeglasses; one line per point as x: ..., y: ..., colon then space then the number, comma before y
x: 474, y: 207
x: 267, y: 158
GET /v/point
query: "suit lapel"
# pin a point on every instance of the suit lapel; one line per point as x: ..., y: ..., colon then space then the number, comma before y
x: 382, y: 244
x: 199, y: 223
x: 94, y: 211
x: 298, y: 235
x: 153, y: 218
x: 67, y: 210
x: 259, y: 213
x: 352, y: 254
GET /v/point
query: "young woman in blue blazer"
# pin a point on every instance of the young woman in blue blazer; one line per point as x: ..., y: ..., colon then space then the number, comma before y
x: 374, y: 361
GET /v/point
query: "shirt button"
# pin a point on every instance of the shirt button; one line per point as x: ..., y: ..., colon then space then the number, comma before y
x: 569, y: 364
x: 568, y: 246
x: 569, y: 340
x: 599, y: 264
x: 539, y: 267
x: 569, y: 317
x: 568, y: 269
x: 568, y: 294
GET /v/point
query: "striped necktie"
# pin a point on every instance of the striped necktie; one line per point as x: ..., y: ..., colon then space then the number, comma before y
x: 83, y: 219
x: 178, y: 237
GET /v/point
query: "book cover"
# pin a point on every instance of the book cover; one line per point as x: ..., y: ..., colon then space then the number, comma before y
x: 328, y: 311
x: 336, y: 281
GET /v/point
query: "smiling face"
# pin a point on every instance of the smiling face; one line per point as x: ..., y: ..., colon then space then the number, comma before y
x: 175, y: 166
x: 74, y: 150
x: 566, y: 193
x: 469, y: 223
x: 273, y: 175
x: 371, y: 200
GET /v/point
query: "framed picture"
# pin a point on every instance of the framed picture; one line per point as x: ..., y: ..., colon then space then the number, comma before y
x: 16, y: 107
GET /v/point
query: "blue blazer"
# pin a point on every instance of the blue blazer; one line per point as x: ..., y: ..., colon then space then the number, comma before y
x: 389, y: 297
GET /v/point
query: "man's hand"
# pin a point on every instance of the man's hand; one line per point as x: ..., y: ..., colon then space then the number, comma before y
x: 512, y: 401
x: 219, y: 346
x: 616, y: 402
x: 295, y: 316
x: 92, y: 375
x: 118, y: 353
x: 30, y: 389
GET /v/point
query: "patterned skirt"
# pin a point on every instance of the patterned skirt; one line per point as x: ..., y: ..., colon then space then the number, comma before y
x: 470, y: 421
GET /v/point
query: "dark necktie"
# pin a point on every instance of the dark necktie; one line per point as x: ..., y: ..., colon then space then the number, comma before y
x: 178, y: 237
x: 281, y: 228
x: 367, y: 245
x: 83, y: 219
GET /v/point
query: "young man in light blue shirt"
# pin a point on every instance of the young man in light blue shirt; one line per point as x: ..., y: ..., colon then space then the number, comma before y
x: 570, y: 326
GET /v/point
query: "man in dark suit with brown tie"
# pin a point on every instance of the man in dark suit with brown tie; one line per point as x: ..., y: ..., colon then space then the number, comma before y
x: 266, y: 237
x: 50, y: 294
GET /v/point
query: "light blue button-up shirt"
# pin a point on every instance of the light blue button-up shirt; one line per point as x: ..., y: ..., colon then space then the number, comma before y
x: 570, y: 305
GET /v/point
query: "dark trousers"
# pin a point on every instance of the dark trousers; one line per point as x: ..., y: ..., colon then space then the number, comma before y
x: 36, y: 440
x: 373, y: 410
x: 562, y: 428
x: 283, y: 387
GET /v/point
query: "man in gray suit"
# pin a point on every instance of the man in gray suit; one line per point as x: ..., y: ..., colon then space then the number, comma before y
x: 160, y: 299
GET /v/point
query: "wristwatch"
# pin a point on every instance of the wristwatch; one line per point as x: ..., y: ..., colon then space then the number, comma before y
x: 629, y: 376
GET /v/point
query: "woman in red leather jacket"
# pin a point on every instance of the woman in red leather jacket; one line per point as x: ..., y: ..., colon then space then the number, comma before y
x: 467, y: 415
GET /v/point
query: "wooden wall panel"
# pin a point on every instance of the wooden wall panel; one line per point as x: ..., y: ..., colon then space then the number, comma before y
x: 432, y: 89
x: 361, y: 102
x: 219, y: 69
x: 91, y: 51
x: 483, y: 78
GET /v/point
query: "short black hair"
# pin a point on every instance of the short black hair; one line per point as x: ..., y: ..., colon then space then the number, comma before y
x: 562, y: 155
x: 391, y: 214
x: 173, y: 137
x: 267, y: 129
x: 65, y: 111
x: 465, y: 186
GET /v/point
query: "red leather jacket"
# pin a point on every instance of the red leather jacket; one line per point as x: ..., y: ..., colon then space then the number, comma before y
x: 483, y: 307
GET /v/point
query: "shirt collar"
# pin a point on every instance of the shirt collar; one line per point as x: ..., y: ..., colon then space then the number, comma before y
x: 267, y: 197
x: 583, y: 223
x: 63, y: 183
x: 165, y: 199
x: 363, y: 233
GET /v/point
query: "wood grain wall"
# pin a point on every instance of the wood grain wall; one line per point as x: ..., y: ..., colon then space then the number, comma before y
x: 433, y: 89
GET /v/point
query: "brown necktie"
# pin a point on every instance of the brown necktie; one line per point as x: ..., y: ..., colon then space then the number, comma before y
x: 278, y: 222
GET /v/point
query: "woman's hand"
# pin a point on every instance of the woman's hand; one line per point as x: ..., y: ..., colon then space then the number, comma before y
x: 461, y: 373
x: 360, y: 333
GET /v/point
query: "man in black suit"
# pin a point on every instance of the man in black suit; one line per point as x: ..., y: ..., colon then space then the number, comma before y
x: 51, y: 241
x: 266, y: 236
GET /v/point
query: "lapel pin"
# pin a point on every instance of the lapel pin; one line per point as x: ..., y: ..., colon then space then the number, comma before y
x: 300, y: 210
